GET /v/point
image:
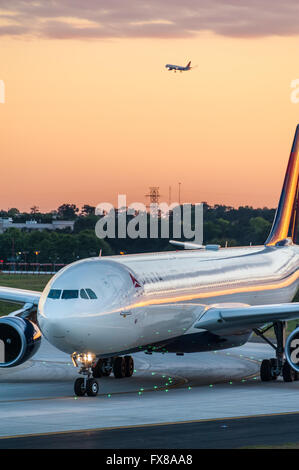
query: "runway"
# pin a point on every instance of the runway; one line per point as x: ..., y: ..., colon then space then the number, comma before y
x: 196, y: 391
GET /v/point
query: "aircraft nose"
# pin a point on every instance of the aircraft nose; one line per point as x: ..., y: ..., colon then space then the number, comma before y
x: 53, y: 327
x: 56, y: 326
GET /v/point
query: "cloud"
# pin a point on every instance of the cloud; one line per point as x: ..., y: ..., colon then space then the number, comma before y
x: 66, y: 19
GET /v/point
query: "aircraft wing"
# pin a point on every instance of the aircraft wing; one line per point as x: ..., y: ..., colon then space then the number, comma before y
x: 187, y: 245
x: 28, y: 298
x: 19, y: 296
x: 235, y: 316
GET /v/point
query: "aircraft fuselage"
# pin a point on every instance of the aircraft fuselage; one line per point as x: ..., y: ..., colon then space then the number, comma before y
x: 151, y: 301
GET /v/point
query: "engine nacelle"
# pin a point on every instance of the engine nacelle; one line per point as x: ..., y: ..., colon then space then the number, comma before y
x: 19, y: 340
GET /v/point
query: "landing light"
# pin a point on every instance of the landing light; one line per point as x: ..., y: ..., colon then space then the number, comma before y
x: 86, y: 359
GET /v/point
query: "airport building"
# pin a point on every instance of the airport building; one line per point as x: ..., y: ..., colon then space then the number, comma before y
x: 34, y: 225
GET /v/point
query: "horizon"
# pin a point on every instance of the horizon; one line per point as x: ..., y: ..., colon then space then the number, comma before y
x: 80, y: 207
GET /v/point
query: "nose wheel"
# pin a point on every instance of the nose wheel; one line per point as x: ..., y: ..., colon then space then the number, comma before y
x: 89, y: 387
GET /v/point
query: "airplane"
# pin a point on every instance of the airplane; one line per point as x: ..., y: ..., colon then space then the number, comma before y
x: 101, y: 310
x: 179, y: 67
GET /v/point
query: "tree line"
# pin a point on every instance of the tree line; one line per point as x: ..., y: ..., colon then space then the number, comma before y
x: 223, y: 225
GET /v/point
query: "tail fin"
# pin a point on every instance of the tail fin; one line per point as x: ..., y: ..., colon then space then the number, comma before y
x: 286, y: 217
x: 188, y: 65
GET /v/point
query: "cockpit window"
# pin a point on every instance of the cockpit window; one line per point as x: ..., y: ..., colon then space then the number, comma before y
x: 83, y: 294
x: 70, y: 294
x: 91, y: 294
x: 54, y: 294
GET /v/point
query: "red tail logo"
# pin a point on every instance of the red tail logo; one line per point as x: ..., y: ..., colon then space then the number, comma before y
x: 136, y: 284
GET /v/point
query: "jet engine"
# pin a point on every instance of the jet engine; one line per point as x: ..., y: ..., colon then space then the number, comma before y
x: 19, y: 340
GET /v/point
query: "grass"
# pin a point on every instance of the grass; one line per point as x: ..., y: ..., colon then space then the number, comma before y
x: 35, y: 282
x: 277, y: 446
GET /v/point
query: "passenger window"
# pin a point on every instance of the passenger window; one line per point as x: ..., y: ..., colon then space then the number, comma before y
x: 54, y: 294
x: 91, y: 294
x: 70, y: 294
x: 83, y: 294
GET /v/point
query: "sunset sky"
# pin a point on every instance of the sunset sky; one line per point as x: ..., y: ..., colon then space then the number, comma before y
x: 91, y: 112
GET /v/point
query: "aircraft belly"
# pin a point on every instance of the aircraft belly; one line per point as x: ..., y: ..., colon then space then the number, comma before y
x: 165, y: 321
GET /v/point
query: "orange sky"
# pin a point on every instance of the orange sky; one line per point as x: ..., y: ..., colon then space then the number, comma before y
x: 85, y: 120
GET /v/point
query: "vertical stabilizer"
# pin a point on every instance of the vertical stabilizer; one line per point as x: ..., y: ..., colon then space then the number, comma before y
x: 286, y: 217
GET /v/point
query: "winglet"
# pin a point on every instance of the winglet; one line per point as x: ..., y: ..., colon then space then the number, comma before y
x: 286, y: 217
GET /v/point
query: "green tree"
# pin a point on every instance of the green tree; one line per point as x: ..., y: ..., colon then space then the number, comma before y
x: 67, y: 211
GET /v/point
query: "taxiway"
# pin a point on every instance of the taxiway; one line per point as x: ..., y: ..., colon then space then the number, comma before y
x: 37, y: 398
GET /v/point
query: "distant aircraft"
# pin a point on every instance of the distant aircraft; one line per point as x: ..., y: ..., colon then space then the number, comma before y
x: 179, y: 67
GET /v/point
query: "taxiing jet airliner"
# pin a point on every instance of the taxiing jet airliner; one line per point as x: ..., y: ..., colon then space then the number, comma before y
x: 101, y: 310
x: 179, y: 67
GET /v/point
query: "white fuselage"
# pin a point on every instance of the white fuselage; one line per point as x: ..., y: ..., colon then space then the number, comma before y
x: 153, y: 298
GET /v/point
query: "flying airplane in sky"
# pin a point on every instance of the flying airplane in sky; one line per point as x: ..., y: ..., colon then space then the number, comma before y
x: 101, y: 310
x: 179, y: 67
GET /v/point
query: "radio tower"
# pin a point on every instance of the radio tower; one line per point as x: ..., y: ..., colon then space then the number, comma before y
x: 154, y: 195
x: 154, y: 198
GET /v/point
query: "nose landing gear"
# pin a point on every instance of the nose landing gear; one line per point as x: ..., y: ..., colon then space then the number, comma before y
x: 86, y: 385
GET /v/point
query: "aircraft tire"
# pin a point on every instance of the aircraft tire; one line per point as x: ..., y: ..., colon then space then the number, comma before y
x: 129, y: 366
x: 97, y: 370
x: 92, y: 387
x: 288, y: 373
x: 273, y: 362
x: 79, y: 387
x: 119, y: 367
x: 265, y: 371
